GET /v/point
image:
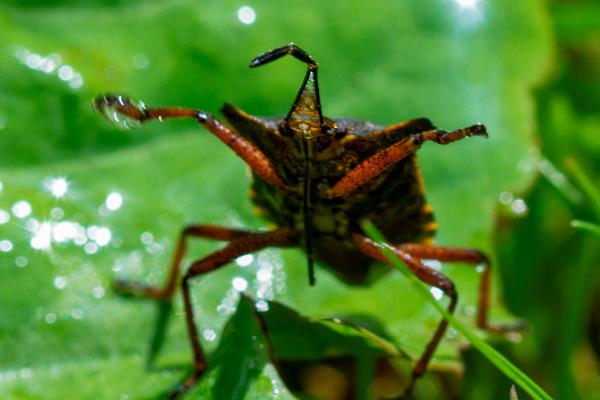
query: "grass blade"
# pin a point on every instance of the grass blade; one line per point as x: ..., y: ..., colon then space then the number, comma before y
x: 501, y: 362
x: 586, y: 226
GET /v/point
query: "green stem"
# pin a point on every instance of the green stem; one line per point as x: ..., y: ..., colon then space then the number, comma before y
x: 586, y: 226
x: 501, y: 362
x: 585, y: 183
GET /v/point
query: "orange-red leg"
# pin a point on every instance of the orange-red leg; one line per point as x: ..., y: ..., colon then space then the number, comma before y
x: 430, y: 277
x: 166, y: 292
x: 236, y: 247
x: 468, y: 256
x: 381, y: 161
x: 255, y: 158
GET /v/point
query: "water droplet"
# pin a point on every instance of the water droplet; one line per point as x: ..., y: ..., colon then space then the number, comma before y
x: 467, y: 3
x: 65, y: 72
x: 6, y: 245
x: 60, y: 282
x: 102, y: 237
x: 4, y: 217
x: 114, y: 201
x: 90, y: 248
x: 433, y: 264
x: 120, y: 110
x: 506, y: 197
x: 246, y: 15
x: 244, y: 260
x: 21, y: 209
x: 469, y: 311
x: 21, y: 261
x: 57, y: 213
x: 77, y: 313
x: 262, y: 306
x: 76, y: 81
x: 264, y: 274
x: 141, y: 61
x: 436, y: 292
x: 147, y: 238
x: 209, y: 334
x: 519, y: 207
x: 239, y: 284
x: 50, y: 318
x: 98, y: 292
x: 57, y: 186
x: 42, y: 237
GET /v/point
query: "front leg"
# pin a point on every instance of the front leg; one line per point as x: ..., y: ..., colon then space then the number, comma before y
x: 381, y: 161
x: 165, y: 293
x: 115, y: 106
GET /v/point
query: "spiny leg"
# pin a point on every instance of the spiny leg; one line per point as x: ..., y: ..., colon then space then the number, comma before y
x: 246, y: 150
x: 243, y: 245
x: 166, y: 292
x: 430, y: 277
x: 381, y: 161
x: 472, y: 257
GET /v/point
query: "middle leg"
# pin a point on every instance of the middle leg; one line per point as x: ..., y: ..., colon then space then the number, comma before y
x: 283, y: 237
x: 471, y: 257
x: 430, y: 277
x: 166, y: 292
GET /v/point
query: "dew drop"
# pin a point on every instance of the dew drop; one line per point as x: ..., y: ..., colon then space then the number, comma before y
x: 4, y: 216
x: 50, y: 318
x: 21, y: 261
x: 147, y: 238
x: 262, y: 306
x: 436, y: 292
x: 90, y: 248
x: 120, y: 110
x: 244, y: 260
x: 209, y: 335
x: 6, y: 245
x: 114, y: 201
x: 57, y: 186
x: 246, y: 15
x: 77, y: 313
x: 57, y: 213
x: 21, y: 209
x: 60, y: 282
x: 98, y: 292
x: 239, y: 284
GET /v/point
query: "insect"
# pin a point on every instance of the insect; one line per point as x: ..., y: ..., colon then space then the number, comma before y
x: 316, y: 179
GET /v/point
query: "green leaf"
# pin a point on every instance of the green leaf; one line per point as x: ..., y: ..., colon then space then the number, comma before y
x: 398, y: 60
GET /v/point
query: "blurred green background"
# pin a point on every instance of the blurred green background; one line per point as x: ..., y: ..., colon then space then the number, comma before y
x: 82, y: 203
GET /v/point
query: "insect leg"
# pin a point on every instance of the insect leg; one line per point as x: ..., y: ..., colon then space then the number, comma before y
x: 246, y: 150
x: 237, y: 247
x: 469, y: 256
x: 166, y: 292
x: 430, y: 277
x: 381, y: 161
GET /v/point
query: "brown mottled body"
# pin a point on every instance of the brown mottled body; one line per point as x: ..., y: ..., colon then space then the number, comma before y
x: 394, y: 201
x: 316, y: 179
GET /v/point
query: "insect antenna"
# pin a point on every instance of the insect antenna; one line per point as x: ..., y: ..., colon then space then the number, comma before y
x: 305, y: 119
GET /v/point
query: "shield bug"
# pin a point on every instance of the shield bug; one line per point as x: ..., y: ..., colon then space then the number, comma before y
x: 316, y: 179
